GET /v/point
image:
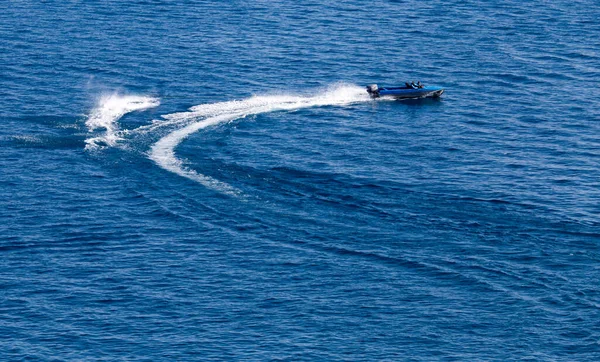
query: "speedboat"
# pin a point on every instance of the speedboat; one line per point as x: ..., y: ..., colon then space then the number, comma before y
x: 409, y: 90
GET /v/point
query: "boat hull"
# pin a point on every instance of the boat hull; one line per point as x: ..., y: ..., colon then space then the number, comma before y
x: 409, y: 93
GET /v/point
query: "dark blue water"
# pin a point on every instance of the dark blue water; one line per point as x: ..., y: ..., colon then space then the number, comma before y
x: 209, y: 181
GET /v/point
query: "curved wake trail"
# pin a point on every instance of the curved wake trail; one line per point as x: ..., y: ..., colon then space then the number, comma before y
x: 206, y: 115
x: 163, y: 153
x: 108, y: 111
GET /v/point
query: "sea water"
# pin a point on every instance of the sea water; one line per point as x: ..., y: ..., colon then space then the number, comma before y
x: 210, y: 181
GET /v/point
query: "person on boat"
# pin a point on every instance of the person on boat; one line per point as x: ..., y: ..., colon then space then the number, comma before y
x: 408, y: 85
x: 419, y: 85
x: 413, y: 85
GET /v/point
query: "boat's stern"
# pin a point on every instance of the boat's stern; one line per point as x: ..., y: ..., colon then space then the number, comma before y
x: 373, y: 90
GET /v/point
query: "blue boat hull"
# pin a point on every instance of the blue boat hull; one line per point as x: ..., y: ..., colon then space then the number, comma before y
x: 406, y: 93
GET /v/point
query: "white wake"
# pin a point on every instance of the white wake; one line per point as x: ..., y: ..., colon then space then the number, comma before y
x: 108, y: 111
x: 206, y: 115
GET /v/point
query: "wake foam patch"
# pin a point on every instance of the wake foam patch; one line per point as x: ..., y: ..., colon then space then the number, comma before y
x: 106, y: 114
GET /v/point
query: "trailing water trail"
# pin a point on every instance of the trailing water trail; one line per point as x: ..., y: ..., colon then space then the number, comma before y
x: 109, y: 110
x: 206, y: 115
x: 163, y: 153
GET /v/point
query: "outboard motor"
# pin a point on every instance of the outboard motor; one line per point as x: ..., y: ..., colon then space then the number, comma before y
x: 373, y: 90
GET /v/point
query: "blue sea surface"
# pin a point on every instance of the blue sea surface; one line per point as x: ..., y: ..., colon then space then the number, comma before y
x: 204, y: 180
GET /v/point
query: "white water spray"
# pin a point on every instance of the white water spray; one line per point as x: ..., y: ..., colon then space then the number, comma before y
x: 109, y: 110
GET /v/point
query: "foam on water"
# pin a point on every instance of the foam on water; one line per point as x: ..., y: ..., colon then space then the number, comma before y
x: 206, y: 115
x: 109, y: 110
